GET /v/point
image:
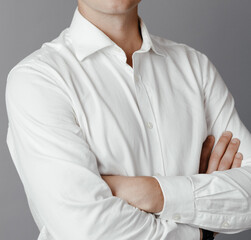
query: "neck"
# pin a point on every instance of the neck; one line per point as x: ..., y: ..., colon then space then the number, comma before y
x: 123, y: 29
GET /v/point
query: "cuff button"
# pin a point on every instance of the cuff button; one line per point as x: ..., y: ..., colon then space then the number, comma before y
x: 176, y: 217
x: 225, y: 224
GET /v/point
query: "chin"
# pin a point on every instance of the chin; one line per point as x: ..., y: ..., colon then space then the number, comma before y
x: 119, y: 6
x: 110, y: 6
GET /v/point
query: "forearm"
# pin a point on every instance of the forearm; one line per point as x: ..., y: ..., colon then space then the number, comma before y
x: 142, y: 192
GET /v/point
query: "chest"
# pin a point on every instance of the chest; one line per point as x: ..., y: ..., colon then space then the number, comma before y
x: 140, y: 120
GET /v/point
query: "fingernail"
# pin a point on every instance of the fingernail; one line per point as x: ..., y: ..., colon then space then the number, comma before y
x: 234, y: 140
x: 210, y: 137
x: 238, y: 155
x: 226, y: 133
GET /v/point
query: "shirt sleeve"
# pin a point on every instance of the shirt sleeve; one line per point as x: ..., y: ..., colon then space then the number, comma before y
x: 220, y: 201
x: 59, y: 171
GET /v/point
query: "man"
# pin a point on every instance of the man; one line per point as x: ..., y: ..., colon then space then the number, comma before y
x: 106, y: 129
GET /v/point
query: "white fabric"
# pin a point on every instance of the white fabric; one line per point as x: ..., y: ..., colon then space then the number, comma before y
x: 76, y: 110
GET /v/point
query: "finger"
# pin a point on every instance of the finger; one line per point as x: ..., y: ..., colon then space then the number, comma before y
x: 218, y: 151
x: 229, y: 155
x: 237, y: 160
x: 205, y: 153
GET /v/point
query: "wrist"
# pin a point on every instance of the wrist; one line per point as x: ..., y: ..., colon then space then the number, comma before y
x: 157, y: 199
x: 201, y: 234
x: 134, y: 190
x: 143, y: 192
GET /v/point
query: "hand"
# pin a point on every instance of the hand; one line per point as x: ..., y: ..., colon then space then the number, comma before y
x: 142, y: 192
x: 223, y: 157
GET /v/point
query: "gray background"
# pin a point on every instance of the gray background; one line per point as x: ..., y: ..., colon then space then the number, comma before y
x: 218, y: 28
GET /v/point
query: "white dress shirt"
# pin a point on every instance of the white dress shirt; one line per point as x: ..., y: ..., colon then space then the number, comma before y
x: 76, y: 110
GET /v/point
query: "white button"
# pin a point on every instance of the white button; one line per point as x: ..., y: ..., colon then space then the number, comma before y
x: 225, y: 224
x: 176, y: 217
x: 157, y: 174
x: 137, y: 77
x: 149, y: 125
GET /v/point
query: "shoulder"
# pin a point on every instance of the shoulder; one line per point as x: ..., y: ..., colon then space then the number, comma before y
x: 176, y: 50
x: 37, y: 76
x: 186, y: 58
x: 45, y: 60
x: 41, y: 69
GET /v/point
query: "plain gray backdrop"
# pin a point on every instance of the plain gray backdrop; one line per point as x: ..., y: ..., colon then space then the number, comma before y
x: 218, y: 28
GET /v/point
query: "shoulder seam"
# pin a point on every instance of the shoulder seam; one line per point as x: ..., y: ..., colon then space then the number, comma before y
x: 171, y: 43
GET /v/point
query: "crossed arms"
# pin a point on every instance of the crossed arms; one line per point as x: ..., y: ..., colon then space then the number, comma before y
x: 145, y: 192
x: 72, y: 201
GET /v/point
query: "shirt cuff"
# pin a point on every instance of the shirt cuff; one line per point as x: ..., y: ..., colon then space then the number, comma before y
x: 178, y: 198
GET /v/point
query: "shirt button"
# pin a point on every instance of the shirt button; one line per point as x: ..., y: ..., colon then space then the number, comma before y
x: 176, y: 217
x: 149, y: 125
x: 137, y: 77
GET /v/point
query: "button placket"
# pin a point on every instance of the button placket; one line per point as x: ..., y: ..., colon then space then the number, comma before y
x: 149, y: 120
x: 149, y: 125
x: 143, y: 101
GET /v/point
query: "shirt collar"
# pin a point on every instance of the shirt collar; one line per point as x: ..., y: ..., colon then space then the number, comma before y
x: 88, y: 39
